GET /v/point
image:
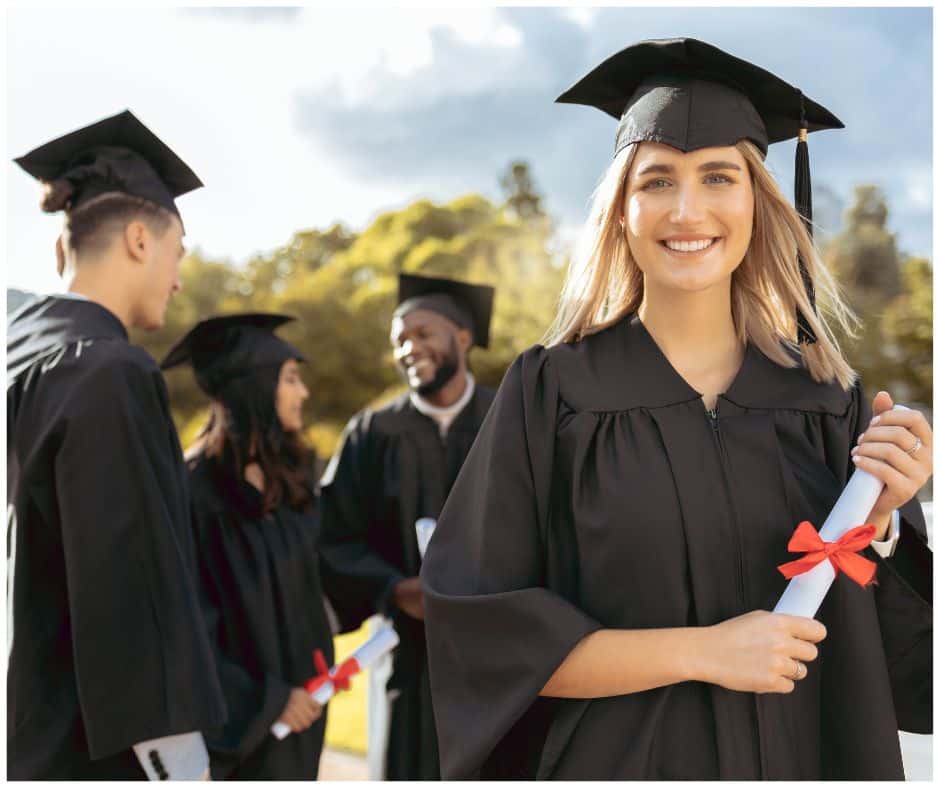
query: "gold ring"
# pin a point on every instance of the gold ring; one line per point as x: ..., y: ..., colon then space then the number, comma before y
x: 916, y: 447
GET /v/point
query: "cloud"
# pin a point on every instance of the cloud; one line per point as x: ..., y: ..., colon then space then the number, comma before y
x: 283, y: 14
x: 452, y: 124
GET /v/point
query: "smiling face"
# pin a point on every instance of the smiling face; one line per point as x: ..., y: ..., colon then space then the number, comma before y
x: 429, y: 349
x: 290, y: 396
x: 688, y: 217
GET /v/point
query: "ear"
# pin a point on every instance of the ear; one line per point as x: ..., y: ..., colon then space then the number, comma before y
x: 59, y: 256
x: 464, y: 340
x: 137, y: 241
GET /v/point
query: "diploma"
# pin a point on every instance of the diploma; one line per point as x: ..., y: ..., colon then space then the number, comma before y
x: 324, y: 686
x: 805, y: 592
x: 424, y: 528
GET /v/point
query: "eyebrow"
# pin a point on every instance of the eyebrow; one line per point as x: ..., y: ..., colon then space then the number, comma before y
x: 709, y: 166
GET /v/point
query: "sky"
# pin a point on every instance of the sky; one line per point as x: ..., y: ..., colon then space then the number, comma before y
x: 296, y: 118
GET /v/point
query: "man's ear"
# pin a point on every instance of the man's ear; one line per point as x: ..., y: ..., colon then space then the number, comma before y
x: 464, y: 340
x: 59, y: 256
x: 137, y: 240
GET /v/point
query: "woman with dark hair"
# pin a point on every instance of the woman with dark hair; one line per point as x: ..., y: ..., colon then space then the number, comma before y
x: 256, y: 525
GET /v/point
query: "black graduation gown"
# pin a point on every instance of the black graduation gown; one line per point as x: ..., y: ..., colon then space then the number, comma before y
x: 109, y: 645
x: 600, y: 494
x: 264, y: 609
x: 391, y: 469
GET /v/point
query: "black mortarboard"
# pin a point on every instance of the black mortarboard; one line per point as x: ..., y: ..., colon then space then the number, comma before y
x: 468, y: 306
x: 223, y: 348
x: 117, y: 154
x: 690, y: 95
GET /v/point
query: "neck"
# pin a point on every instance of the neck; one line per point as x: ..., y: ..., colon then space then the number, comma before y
x: 691, y: 325
x: 450, y: 392
x: 99, y: 281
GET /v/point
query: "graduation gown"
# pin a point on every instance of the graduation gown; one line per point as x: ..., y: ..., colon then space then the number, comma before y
x: 601, y: 494
x: 264, y: 608
x: 109, y: 645
x: 391, y: 469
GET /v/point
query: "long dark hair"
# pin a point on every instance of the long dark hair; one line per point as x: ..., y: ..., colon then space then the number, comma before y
x: 243, y: 428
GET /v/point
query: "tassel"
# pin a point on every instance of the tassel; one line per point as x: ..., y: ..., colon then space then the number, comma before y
x: 803, y: 200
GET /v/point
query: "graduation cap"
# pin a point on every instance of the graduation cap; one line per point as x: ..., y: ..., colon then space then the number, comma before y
x: 469, y: 306
x: 225, y: 347
x: 690, y: 95
x: 117, y: 154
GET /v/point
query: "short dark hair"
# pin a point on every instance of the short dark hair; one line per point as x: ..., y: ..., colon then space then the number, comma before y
x: 90, y: 226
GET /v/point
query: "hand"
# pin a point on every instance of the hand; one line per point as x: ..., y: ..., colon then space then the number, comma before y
x: 760, y: 651
x: 410, y: 598
x: 883, y: 450
x: 301, y: 710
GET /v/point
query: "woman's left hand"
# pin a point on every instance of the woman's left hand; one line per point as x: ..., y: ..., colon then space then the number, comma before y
x: 897, y: 448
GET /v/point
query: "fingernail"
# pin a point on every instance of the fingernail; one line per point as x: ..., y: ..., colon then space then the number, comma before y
x: 855, y: 458
x: 854, y: 450
x: 860, y: 438
x: 876, y: 419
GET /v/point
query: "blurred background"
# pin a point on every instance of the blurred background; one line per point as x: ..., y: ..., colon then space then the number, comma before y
x: 340, y: 147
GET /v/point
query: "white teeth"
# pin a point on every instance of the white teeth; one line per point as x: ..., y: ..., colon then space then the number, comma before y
x: 689, y: 246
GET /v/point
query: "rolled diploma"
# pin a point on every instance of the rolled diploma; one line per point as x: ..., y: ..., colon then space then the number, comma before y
x: 805, y: 593
x: 377, y: 646
x: 424, y: 528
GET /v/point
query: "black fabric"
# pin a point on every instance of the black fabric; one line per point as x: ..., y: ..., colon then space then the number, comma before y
x: 600, y: 494
x: 223, y: 348
x: 109, y: 644
x: 116, y: 154
x: 263, y: 604
x: 688, y: 94
x: 391, y: 469
x: 469, y: 306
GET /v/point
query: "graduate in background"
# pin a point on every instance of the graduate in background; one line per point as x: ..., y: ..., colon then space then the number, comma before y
x: 395, y: 466
x: 109, y: 650
x: 597, y: 587
x: 255, y: 519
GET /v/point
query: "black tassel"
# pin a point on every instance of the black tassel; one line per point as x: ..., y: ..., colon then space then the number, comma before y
x: 803, y: 200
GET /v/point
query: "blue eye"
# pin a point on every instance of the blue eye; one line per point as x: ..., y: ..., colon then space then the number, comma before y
x: 717, y: 177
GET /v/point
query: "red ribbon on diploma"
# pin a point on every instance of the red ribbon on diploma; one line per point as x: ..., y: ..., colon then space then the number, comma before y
x: 842, y: 553
x: 340, y: 678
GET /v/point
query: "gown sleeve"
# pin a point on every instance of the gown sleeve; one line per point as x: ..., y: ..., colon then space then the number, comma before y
x: 496, y: 632
x: 254, y: 702
x: 903, y: 595
x: 357, y: 580
x: 142, y: 660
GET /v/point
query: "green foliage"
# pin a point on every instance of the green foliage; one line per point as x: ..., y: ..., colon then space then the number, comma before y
x: 893, y: 298
x: 342, y: 287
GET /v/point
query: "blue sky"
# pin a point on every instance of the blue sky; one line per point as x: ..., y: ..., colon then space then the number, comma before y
x: 297, y: 118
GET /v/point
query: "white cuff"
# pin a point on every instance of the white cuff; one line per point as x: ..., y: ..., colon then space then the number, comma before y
x: 886, y: 548
x: 180, y: 757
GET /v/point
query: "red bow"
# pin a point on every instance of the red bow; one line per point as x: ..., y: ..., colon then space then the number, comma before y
x: 340, y: 677
x: 842, y: 554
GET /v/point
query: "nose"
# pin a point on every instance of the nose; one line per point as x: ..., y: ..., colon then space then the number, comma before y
x: 689, y: 208
x: 177, y: 285
x: 304, y: 392
x: 405, y: 349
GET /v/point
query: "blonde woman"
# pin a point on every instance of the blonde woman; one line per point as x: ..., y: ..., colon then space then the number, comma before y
x: 598, y: 586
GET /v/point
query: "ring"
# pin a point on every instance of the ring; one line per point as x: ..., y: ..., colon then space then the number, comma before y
x: 916, y: 447
x: 800, y: 667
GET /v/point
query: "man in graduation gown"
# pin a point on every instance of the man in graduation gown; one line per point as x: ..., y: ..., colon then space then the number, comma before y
x: 396, y: 465
x: 110, y: 672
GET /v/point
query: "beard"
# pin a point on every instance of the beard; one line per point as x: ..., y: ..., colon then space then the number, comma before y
x: 448, y: 367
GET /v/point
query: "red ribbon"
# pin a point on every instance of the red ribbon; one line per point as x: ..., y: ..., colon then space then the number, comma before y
x: 842, y: 554
x: 340, y: 677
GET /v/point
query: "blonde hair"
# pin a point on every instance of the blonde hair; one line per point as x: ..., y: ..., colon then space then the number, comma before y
x: 604, y: 283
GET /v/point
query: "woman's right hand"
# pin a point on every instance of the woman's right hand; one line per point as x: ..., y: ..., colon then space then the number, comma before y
x: 760, y: 651
x: 301, y: 710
